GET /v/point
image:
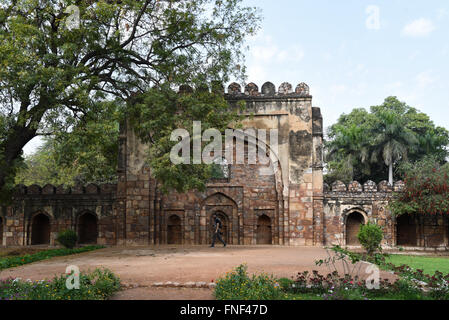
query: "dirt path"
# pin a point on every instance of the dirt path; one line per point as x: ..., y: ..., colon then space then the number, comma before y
x: 143, y: 266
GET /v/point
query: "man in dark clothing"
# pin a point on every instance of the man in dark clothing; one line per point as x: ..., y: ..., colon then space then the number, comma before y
x: 217, y: 231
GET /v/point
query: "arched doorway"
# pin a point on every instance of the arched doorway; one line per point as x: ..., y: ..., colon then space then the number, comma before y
x: 406, y: 230
x: 264, y: 230
x: 40, y: 229
x: 1, y: 231
x: 224, y: 229
x: 87, y: 228
x: 174, y: 230
x: 353, y: 223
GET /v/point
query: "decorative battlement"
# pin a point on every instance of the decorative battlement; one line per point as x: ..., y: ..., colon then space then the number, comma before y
x: 252, y: 90
x: 369, y: 186
x: 269, y: 90
x: 50, y: 189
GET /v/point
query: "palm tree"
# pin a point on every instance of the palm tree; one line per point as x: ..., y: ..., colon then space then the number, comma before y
x: 392, y: 140
x: 350, y: 144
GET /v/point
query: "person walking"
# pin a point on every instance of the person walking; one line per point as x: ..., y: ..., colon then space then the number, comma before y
x: 217, y: 231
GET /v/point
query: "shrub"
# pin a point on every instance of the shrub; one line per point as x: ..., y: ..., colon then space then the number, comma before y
x: 370, y: 236
x: 67, y: 238
x: 97, y: 285
x: 237, y: 285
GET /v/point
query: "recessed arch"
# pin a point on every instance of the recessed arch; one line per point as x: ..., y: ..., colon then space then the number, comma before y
x: 87, y: 228
x: 40, y: 229
x: 174, y: 230
x: 354, y: 220
x: 264, y: 235
x: 406, y: 234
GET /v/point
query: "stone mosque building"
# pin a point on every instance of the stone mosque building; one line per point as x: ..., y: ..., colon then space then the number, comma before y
x: 291, y: 206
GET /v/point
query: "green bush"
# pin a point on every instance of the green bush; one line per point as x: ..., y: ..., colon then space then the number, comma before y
x: 370, y: 236
x: 97, y: 285
x: 67, y: 238
x: 237, y: 285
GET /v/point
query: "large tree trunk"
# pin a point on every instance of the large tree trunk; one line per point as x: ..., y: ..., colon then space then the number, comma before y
x: 12, y: 148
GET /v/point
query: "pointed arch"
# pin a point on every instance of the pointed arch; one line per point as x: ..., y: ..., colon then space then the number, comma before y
x: 174, y: 230
x: 87, y: 228
x: 354, y: 219
x: 264, y: 234
x: 40, y: 229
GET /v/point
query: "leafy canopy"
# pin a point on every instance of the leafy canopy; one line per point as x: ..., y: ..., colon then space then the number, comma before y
x: 363, y: 144
x: 426, y: 188
x: 54, y: 74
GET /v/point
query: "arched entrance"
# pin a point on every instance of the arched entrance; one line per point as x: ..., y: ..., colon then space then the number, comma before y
x: 1, y: 231
x: 353, y: 223
x: 40, y: 229
x: 264, y: 230
x: 174, y: 230
x: 225, y: 227
x: 406, y: 231
x: 87, y: 228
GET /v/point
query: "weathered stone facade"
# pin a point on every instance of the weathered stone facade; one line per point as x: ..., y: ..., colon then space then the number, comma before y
x: 38, y: 214
x: 283, y: 202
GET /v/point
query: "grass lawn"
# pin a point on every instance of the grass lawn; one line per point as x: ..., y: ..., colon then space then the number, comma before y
x: 11, y: 260
x: 428, y: 264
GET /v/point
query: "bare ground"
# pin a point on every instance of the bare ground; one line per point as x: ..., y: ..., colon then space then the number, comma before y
x: 143, y: 266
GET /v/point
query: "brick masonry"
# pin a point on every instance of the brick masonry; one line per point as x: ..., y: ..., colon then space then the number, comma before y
x: 288, y: 206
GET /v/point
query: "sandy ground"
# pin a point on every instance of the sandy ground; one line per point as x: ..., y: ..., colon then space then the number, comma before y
x: 143, y: 266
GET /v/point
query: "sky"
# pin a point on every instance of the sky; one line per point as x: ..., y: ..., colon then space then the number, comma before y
x: 354, y: 53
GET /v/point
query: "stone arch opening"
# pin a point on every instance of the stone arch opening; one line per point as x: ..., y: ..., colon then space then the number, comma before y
x: 224, y: 229
x: 87, y: 228
x: 264, y: 235
x: 353, y: 222
x: 174, y: 230
x: 1, y: 230
x: 40, y: 229
x: 406, y: 234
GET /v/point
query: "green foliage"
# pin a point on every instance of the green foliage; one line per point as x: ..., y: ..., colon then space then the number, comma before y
x: 67, y: 238
x: 370, y: 236
x: 426, y: 189
x: 237, y: 285
x: 97, y: 285
x: 15, y: 261
x: 157, y: 113
x: 87, y: 154
x: 53, y: 77
x: 365, y: 145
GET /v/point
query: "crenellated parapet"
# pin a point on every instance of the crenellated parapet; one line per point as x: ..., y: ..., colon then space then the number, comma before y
x: 369, y: 187
x: 49, y: 189
x: 268, y: 89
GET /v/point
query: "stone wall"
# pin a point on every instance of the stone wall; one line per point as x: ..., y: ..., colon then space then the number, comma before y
x: 63, y: 209
x: 371, y: 201
x: 290, y: 197
x: 280, y: 202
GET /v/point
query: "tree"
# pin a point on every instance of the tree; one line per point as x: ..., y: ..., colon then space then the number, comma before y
x: 350, y: 145
x: 392, y: 140
x: 86, y: 154
x: 53, y: 74
x: 429, y: 139
x: 426, y: 189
